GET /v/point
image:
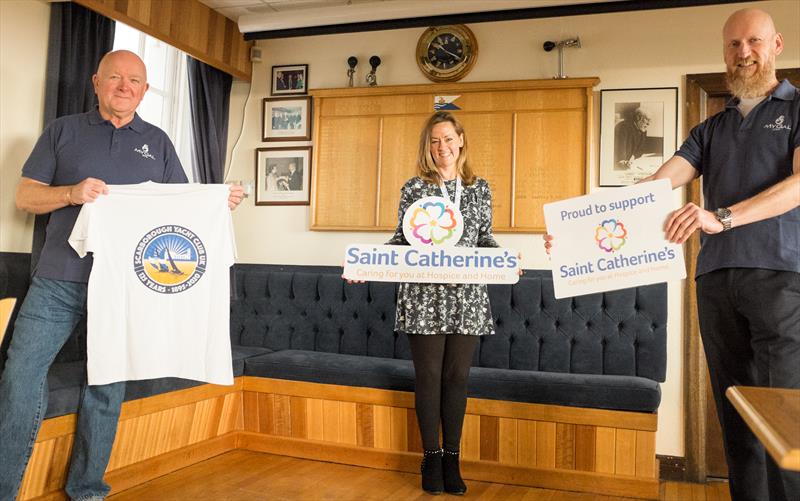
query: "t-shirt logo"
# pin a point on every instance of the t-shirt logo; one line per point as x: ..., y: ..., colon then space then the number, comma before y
x: 778, y: 125
x: 169, y: 259
x: 144, y: 151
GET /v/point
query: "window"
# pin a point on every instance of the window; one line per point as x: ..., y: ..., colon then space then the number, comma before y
x: 166, y: 103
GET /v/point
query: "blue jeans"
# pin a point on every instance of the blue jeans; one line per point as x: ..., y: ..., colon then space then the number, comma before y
x: 48, y: 315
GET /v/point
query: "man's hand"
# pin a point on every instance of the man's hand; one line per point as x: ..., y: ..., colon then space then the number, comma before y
x: 689, y: 218
x: 86, y: 191
x: 235, y: 196
x: 548, y: 243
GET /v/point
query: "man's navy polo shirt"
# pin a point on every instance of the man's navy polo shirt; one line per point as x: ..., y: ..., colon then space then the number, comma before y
x: 75, y: 147
x: 739, y: 158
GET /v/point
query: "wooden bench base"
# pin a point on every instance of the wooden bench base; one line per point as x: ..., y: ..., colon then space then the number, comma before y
x: 554, y: 447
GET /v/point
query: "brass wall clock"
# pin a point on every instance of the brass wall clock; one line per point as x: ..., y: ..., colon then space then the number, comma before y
x: 447, y: 53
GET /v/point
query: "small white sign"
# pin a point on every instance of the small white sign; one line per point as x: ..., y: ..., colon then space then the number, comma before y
x: 431, y: 264
x: 612, y: 240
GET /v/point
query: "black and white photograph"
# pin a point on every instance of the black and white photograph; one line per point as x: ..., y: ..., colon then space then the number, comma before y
x: 286, y: 119
x: 289, y: 80
x: 638, y: 129
x: 283, y: 176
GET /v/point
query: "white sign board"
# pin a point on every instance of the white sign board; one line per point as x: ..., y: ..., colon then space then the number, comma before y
x: 612, y: 240
x: 448, y: 265
x: 432, y: 226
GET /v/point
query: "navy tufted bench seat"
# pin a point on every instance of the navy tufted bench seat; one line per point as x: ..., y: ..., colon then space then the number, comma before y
x: 604, y: 351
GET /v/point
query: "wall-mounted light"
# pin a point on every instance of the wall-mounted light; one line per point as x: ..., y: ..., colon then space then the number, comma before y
x: 571, y: 42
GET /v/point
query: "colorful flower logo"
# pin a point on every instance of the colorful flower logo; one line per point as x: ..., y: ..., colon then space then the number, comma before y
x: 432, y: 221
x: 610, y: 235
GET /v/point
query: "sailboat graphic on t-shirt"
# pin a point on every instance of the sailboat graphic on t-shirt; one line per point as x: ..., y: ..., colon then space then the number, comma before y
x: 165, y: 264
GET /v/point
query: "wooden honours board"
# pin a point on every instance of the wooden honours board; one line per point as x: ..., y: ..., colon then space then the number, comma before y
x: 528, y: 139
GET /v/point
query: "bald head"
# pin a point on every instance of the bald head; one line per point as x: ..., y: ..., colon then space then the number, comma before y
x: 120, y: 84
x: 123, y: 58
x: 750, y: 45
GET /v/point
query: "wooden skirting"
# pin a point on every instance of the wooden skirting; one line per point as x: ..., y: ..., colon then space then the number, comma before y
x: 555, y: 447
x: 156, y: 435
x: 608, y: 452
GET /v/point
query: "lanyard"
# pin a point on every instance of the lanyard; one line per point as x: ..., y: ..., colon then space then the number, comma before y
x: 458, y: 192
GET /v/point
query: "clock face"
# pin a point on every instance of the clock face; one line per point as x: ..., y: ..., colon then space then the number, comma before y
x: 446, y: 53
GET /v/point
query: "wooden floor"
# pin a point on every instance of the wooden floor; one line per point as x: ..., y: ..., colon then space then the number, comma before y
x: 242, y: 475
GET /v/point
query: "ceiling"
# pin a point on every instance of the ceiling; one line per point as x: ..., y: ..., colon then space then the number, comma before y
x: 260, y: 19
x: 233, y: 9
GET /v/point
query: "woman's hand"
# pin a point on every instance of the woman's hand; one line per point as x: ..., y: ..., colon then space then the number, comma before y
x: 350, y: 282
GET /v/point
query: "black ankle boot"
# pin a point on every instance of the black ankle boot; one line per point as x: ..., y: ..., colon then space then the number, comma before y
x: 431, y: 468
x: 453, y: 484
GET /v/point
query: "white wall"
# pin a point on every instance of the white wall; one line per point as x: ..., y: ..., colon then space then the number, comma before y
x: 628, y: 50
x: 23, y: 55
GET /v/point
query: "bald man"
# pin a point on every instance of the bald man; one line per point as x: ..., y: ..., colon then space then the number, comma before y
x: 748, y: 270
x: 69, y: 166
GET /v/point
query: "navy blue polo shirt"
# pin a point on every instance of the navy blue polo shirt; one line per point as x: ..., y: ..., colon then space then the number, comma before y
x: 739, y: 158
x: 75, y: 147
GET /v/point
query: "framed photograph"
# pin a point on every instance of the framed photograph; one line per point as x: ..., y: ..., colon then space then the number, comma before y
x: 283, y: 176
x: 638, y: 130
x: 289, y: 80
x: 286, y: 119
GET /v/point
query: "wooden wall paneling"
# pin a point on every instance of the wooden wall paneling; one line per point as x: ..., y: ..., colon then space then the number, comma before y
x: 508, y: 441
x: 315, y: 412
x: 646, y: 462
x: 526, y: 442
x: 347, y: 423
x: 282, y: 411
x: 490, y: 143
x: 565, y: 446
x: 413, y: 434
x: 298, y: 417
x: 545, y: 444
x: 187, y: 25
x: 529, y: 139
x: 399, y: 429
x: 625, y: 452
x: 399, y: 147
x: 266, y: 413
x: 471, y: 438
x: 382, y: 426
x: 550, y: 163
x: 346, y: 168
x: 585, y: 443
x: 330, y: 420
x: 365, y: 428
x: 250, y: 403
x: 489, y: 438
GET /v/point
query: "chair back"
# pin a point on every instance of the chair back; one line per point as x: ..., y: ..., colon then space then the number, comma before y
x: 6, y: 309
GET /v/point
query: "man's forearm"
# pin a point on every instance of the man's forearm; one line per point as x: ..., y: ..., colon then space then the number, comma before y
x: 773, y: 201
x: 39, y: 198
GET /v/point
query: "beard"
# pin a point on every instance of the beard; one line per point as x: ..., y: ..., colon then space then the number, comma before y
x: 750, y: 86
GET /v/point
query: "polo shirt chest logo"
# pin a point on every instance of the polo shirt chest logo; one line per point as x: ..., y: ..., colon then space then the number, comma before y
x: 778, y: 125
x: 144, y: 151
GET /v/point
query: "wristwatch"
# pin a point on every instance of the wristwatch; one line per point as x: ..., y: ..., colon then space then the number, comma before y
x: 724, y: 216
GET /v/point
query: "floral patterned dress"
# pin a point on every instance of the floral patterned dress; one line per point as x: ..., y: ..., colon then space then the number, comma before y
x: 447, y: 308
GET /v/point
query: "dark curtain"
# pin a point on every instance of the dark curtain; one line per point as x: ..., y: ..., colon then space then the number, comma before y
x: 78, y: 40
x: 209, y: 96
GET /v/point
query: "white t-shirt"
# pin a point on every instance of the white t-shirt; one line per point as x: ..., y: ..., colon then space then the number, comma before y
x: 159, y: 290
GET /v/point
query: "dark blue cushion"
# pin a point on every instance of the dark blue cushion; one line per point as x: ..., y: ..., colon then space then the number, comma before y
x: 575, y: 390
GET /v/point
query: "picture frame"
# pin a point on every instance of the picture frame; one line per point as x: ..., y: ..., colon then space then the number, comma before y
x: 638, y: 132
x: 286, y: 119
x: 288, y: 80
x: 283, y: 176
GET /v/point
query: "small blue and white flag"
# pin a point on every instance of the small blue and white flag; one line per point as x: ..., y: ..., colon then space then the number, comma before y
x: 441, y: 103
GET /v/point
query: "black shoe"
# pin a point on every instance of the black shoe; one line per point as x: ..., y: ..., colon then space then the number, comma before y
x: 453, y: 483
x: 431, y: 469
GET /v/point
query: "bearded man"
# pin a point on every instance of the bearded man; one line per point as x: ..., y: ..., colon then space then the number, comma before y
x: 748, y: 269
